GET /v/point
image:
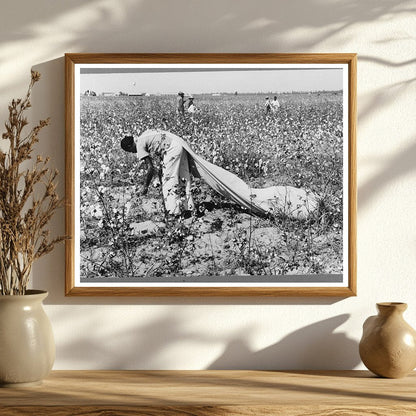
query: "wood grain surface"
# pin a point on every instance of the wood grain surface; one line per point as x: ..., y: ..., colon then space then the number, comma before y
x: 203, y: 393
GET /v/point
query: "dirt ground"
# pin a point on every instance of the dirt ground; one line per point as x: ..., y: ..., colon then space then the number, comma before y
x: 220, y: 241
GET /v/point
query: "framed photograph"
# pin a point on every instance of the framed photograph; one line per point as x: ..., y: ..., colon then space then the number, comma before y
x: 211, y: 174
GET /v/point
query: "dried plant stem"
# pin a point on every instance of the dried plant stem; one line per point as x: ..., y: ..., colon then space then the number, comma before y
x: 23, y: 217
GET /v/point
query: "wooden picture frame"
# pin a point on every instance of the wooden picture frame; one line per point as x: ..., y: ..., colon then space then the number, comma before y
x: 83, y: 70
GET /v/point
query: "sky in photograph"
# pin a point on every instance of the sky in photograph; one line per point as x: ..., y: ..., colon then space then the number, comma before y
x: 162, y: 81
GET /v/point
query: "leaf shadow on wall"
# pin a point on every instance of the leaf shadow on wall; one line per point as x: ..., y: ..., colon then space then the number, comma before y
x: 393, y: 169
x: 144, y: 346
x: 198, y: 26
x: 110, y: 26
x: 151, y: 345
x: 316, y: 346
x: 402, y: 163
x: 235, y: 28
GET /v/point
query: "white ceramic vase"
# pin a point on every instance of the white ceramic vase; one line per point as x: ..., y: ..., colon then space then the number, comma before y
x: 27, y: 346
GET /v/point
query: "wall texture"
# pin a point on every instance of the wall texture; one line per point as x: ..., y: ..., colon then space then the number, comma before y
x: 198, y: 333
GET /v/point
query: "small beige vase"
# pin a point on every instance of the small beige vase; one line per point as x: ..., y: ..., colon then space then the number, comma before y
x: 27, y: 347
x: 388, y: 345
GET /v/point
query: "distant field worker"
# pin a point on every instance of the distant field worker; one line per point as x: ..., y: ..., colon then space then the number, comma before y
x: 192, y: 110
x: 178, y: 162
x: 275, y: 104
x: 180, y: 104
x: 191, y: 106
x: 267, y: 105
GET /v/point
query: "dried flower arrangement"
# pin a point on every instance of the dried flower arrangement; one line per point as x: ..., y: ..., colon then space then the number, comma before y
x: 28, y: 200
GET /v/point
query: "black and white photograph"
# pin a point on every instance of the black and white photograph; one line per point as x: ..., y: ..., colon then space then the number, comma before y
x: 231, y: 174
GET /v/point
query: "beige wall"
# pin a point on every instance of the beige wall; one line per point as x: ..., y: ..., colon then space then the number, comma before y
x: 194, y: 333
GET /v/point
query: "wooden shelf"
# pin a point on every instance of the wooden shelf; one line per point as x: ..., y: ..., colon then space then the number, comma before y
x: 203, y: 393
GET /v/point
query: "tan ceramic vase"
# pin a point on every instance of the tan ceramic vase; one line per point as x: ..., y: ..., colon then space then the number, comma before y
x: 27, y: 347
x: 388, y: 344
